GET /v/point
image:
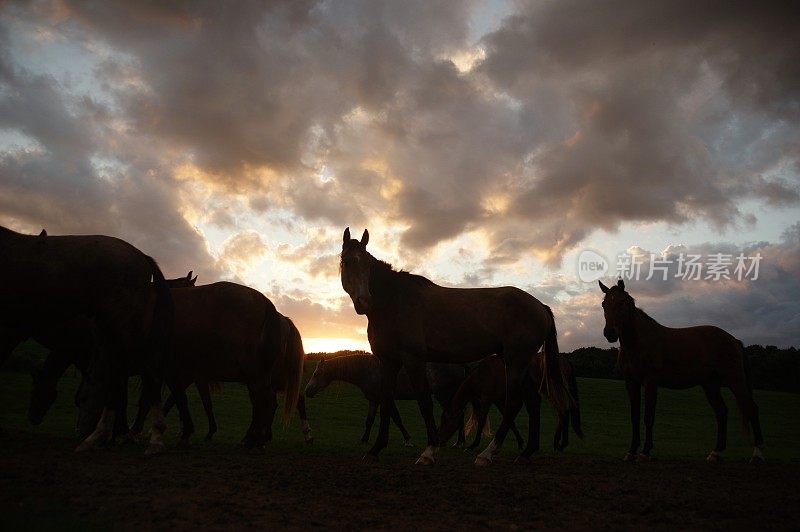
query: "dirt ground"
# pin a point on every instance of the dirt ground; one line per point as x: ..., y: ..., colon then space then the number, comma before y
x: 214, y: 487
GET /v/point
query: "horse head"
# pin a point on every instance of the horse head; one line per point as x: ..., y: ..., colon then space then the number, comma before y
x: 618, y: 307
x: 355, y: 270
x: 319, y: 380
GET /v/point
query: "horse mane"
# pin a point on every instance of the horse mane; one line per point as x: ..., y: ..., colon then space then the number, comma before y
x: 383, y: 267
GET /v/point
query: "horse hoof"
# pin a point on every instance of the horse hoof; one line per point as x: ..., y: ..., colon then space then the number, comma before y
x: 523, y: 460
x: 714, y: 457
x: 310, y: 440
x: 408, y: 443
x: 370, y: 458
x: 641, y: 457
x: 757, y: 460
x: 208, y: 437
x: 84, y: 446
x: 184, y: 443
x: 481, y: 461
x: 424, y: 461
x: 155, y: 448
x: 629, y: 457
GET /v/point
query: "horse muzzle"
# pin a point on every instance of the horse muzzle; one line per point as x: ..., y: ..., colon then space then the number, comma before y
x: 611, y: 334
x: 361, y: 304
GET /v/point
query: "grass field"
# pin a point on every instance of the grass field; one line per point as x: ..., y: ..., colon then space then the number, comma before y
x: 684, y: 422
x: 684, y: 433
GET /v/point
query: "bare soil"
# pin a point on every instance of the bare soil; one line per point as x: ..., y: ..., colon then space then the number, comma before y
x: 215, y: 486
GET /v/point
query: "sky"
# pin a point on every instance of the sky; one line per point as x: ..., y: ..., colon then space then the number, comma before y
x: 482, y: 143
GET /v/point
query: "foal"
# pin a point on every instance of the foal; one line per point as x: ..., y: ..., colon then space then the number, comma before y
x: 652, y: 355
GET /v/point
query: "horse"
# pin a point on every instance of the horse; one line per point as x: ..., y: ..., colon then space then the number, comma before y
x: 49, y: 280
x: 291, y: 352
x: 653, y: 355
x: 486, y: 386
x: 413, y: 321
x: 70, y: 343
x: 226, y: 332
x: 364, y: 372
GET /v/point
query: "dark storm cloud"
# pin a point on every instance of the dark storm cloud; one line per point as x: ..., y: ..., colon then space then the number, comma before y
x: 678, y: 109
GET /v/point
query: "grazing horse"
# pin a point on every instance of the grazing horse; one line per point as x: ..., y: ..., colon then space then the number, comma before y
x: 486, y: 386
x: 291, y: 354
x: 413, y: 321
x: 70, y: 343
x: 652, y: 355
x: 46, y: 281
x: 364, y: 372
x: 226, y: 332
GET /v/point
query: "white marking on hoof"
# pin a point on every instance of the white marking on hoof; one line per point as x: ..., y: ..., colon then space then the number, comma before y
x: 758, y: 456
x: 629, y: 457
x: 714, y: 456
x: 306, y: 427
x: 101, y: 434
x: 426, y: 458
x: 641, y: 457
x: 487, y: 456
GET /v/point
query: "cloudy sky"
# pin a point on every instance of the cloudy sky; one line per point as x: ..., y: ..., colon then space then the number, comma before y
x: 483, y: 143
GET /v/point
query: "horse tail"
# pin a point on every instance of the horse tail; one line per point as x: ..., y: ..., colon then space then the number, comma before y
x: 552, y: 376
x: 163, y: 318
x: 294, y: 356
x: 575, y: 408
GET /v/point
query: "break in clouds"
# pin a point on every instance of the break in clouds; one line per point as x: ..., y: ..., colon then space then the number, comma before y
x: 217, y: 137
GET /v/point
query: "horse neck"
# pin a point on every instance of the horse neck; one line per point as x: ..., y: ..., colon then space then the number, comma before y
x: 640, y: 332
x: 350, y: 369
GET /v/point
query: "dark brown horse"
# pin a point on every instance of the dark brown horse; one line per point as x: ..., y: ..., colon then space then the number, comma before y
x: 70, y: 343
x: 291, y: 354
x: 413, y: 321
x: 226, y: 332
x: 364, y: 372
x: 49, y: 280
x: 486, y: 386
x: 652, y: 355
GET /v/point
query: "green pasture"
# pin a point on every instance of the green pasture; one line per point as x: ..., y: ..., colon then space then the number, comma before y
x: 684, y: 422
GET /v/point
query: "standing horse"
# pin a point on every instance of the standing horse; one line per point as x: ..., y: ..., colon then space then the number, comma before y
x: 413, y: 321
x: 226, y: 332
x: 291, y: 354
x: 652, y: 355
x: 70, y: 343
x: 486, y: 386
x: 364, y: 372
x: 49, y: 280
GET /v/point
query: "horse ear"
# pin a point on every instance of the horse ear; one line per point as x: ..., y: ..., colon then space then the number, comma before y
x: 621, y: 284
x: 365, y: 238
x: 43, y: 233
x: 603, y: 287
x: 193, y: 281
x: 189, y: 275
x: 346, y: 236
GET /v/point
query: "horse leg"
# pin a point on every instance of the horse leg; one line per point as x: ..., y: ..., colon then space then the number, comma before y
x: 744, y: 398
x: 205, y: 396
x: 373, y: 409
x: 141, y: 417
x: 561, y: 438
x: 516, y: 369
x: 650, y: 395
x: 399, y: 423
x: 272, y: 406
x: 635, y: 398
x: 721, y: 414
x: 517, y: 436
x: 419, y: 380
x: 533, y: 403
x: 254, y: 438
x: 301, y: 409
x: 389, y: 370
x: 481, y: 415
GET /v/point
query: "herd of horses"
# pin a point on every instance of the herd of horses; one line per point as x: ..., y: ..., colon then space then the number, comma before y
x: 100, y: 304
